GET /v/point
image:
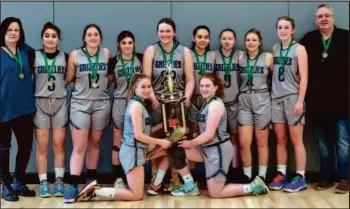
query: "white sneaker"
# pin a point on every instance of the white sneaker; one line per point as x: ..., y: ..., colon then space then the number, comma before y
x: 119, y: 183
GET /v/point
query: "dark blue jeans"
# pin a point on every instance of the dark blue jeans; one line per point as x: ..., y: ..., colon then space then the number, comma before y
x: 333, y: 142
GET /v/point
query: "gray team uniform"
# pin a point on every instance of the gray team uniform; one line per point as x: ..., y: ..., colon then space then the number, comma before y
x: 133, y: 152
x: 218, y: 152
x: 121, y: 90
x: 231, y: 90
x: 254, y: 101
x: 90, y: 107
x: 51, y: 101
x: 285, y: 88
x: 159, y: 76
x: 196, y: 100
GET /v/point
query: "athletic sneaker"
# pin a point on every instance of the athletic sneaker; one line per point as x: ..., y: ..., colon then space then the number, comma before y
x: 119, y: 183
x: 297, y: 184
x: 154, y: 190
x: 278, y: 182
x: 87, y: 191
x: 45, y: 189
x: 259, y: 187
x: 70, y: 193
x: 189, y: 189
x: 58, y: 187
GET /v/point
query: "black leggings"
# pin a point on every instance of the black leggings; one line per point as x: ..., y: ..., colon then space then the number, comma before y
x: 22, y: 127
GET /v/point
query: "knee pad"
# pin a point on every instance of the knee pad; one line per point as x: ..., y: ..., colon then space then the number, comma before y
x: 177, y: 157
x: 115, y: 148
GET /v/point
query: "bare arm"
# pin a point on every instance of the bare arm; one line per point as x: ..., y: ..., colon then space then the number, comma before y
x: 148, y: 67
x: 269, y: 61
x: 303, y: 71
x: 189, y: 75
x: 136, y: 117
x: 70, y: 73
x: 215, y: 112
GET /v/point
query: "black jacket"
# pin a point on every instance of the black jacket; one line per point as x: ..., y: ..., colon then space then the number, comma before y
x: 327, y: 94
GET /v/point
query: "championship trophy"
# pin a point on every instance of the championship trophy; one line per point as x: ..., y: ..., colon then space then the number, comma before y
x: 175, y: 128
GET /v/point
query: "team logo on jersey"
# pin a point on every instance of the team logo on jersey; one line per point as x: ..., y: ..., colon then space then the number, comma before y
x: 56, y: 70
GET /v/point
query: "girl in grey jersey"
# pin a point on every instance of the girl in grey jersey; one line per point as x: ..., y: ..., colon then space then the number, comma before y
x: 168, y: 52
x: 226, y: 67
x: 52, y: 110
x: 203, y: 62
x: 120, y: 70
x: 90, y: 105
x: 254, y: 115
x: 213, y: 147
x: 289, y: 85
x: 136, y: 139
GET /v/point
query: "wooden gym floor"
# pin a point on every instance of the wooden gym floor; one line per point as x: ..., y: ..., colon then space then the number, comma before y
x: 309, y: 198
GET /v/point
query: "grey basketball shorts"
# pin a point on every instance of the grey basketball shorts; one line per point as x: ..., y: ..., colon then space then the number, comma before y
x: 51, y: 113
x: 255, y: 108
x: 282, y: 111
x: 90, y: 114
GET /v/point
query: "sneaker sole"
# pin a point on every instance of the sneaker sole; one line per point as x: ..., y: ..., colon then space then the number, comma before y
x: 183, y: 194
x: 69, y: 200
x: 10, y: 200
x: 295, y: 190
x: 152, y: 193
x: 337, y: 191
x: 58, y: 195
x: 45, y: 196
x: 83, y: 192
x: 275, y: 188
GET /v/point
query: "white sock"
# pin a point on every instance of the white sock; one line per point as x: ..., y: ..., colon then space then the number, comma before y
x: 262, y: 171
x: 159, y: 177
x: 43, y: 177
x: 301, y: 172
x: 248, y: 171
x: 282, y: 169
x: 107, y: 192
x: 247, y: 188
x: 188, y: 179
x: 59, y: 172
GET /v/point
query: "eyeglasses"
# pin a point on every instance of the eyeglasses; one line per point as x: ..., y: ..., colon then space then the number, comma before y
x: 324, y: 15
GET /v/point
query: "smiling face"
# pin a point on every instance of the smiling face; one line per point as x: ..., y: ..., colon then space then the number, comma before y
x: 166, y: 33
x: 202, y: 39
x: 143, y: 88
x: 12, y: 33
x: 50, y: 39
x: 324, y: 18
x: 252, y: 42
x: 227, y: 40
x: 207, y: 88
x: 127, y: 45
x: 285, y: 30
x: 92, y: 37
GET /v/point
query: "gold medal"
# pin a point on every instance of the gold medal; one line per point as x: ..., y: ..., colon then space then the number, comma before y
x: 21, y: 75
x: 94, y: 85
x: 50, y: 83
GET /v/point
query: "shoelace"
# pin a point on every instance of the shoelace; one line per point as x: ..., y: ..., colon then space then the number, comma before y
x: 59, y: 183
x: 185, y: 188
x: 45, y: 185
x: 295, y: 180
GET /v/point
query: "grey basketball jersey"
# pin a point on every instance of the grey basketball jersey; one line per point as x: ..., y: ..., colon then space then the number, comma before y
x: 128, y: 133
x: 231, y: 88
x: 83, y: 88
x: 285, y: 82
x: 221, y: 132
x: 260, y: 73
x: 159, y: 68
x: 208, y: 66
x: 121, y: 88
x: 58, y: 87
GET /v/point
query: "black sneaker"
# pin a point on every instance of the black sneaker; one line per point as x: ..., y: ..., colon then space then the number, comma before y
x: 7, y: 192
x: 21, y: 189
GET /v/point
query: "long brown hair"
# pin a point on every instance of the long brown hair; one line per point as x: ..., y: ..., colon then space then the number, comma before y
x: 216, y: 81
x: 136, y: 78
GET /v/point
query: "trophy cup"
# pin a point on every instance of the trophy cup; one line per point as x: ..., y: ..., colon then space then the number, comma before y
x: 175, y: 128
